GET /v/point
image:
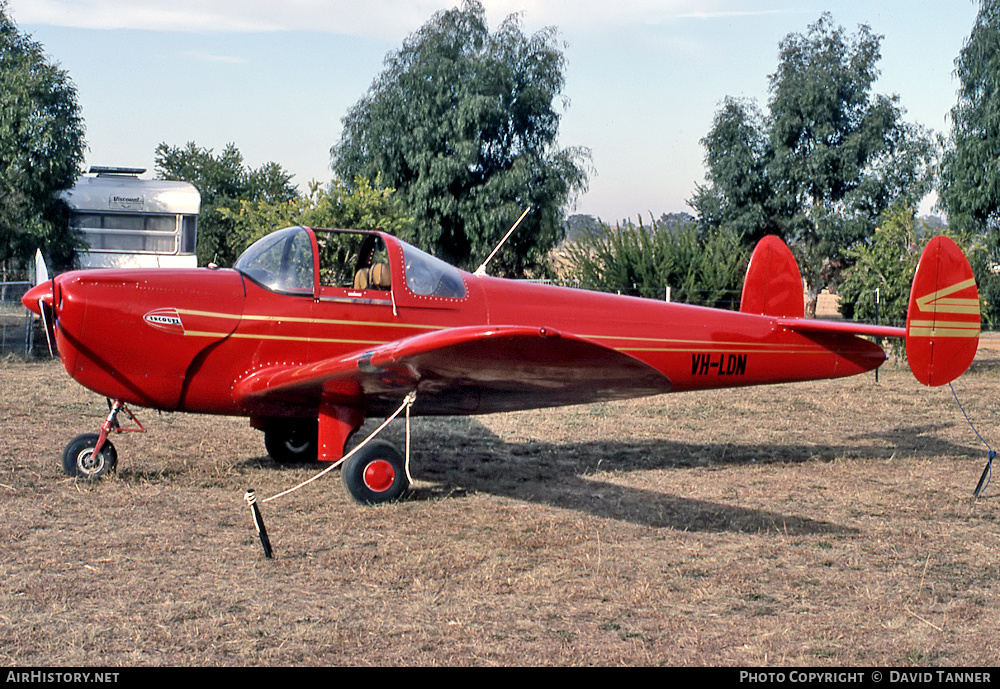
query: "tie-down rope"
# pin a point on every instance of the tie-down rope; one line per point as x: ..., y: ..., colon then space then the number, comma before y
x: 984, y: 480
x: 251, y: 497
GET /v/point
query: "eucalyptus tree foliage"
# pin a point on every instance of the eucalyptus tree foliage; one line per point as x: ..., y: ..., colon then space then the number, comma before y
x: 224, y: 181
x: 704, y: 267
x: 738, y: 195
x: 970, y: 170
x: 824, y: 162
x: 876, y: 288
x: 360, y: 206
x: 970, y: 189
x: 463, y: 124
x: 41, y: 149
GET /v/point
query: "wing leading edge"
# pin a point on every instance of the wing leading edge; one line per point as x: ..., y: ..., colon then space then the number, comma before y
x: 466, y: 370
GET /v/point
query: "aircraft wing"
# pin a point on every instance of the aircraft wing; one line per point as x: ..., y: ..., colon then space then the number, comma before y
x: 467, y: 370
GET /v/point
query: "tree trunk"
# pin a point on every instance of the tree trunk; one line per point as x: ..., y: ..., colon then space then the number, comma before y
x: 812, y: 298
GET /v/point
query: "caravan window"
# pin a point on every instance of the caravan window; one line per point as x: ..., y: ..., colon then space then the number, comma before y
x: 128, y: 232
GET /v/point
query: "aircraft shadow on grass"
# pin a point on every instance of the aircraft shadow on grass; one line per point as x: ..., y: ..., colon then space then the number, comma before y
x: 470, y: 458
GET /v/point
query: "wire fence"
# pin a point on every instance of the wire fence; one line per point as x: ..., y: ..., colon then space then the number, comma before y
x: 722, y: 299
x: 18, y: 326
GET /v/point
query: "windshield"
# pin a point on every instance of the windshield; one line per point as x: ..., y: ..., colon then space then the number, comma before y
x: 281, y: 261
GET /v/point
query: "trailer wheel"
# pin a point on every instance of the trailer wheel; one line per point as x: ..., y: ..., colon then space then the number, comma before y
x: 375, y: 474
x: 80, y: 461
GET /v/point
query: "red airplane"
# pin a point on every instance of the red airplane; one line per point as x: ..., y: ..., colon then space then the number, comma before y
x: 313, y: 331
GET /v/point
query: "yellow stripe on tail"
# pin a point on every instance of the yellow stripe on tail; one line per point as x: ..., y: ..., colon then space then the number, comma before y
x: 943, y: 321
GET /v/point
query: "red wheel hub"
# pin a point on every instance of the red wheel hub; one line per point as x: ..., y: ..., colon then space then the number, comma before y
x: 379, y: 475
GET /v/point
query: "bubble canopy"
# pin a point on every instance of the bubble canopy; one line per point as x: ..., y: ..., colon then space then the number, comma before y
x: 285, y: 261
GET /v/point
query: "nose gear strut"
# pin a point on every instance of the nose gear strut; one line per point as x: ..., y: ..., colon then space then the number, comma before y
x: 91, y: 456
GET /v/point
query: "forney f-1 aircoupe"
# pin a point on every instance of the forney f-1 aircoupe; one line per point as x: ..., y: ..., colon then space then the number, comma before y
x: 313, y: 331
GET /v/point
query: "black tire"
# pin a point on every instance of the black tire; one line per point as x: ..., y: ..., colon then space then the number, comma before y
x: 292, y: 442
x: 375, y: 474
x: 79, y: 460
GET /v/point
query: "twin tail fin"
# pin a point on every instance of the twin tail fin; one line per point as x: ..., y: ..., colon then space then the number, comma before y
x: 943, y: 320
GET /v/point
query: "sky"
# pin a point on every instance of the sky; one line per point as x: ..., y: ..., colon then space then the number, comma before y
x: 644, y: 78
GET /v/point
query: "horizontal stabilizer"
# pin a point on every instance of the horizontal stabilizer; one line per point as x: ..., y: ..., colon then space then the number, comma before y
x: 811, y: 325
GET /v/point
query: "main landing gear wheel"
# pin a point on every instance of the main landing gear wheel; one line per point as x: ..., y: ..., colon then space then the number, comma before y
x: 293, y: 442
x: 375, y: 474
x: 80, y: 461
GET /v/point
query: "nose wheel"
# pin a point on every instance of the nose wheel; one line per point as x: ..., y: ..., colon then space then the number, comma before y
x: 80, y: 460
x: 91, y: 456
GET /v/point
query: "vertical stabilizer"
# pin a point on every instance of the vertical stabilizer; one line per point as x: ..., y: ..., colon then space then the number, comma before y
x: 773, y: 285
x: 942, y: 323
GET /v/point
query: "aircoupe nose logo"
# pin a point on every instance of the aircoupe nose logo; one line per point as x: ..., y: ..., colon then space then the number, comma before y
x: 167, y: 320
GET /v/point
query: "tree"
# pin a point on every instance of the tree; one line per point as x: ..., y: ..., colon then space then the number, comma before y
x: 970, y: 185
x: 876, y: 288
x: 41, y: 149
x: 824, y: 163
x: 704, y: 268
x: 462, y: 124
x: 970, y: 170
x: 224, y: 181
x: 738, y: 195
x: 363, y: 206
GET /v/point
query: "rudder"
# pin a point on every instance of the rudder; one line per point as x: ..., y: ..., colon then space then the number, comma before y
x: 773, y: 284
x: 943, y: 319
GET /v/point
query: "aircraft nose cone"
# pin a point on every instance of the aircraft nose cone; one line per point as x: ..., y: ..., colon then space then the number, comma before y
x: 33, y: 295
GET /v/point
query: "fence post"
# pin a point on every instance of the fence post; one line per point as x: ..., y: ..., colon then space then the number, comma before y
x: 29, y: 334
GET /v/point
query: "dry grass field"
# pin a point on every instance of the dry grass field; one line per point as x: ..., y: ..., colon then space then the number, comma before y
x: 820, y: 524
